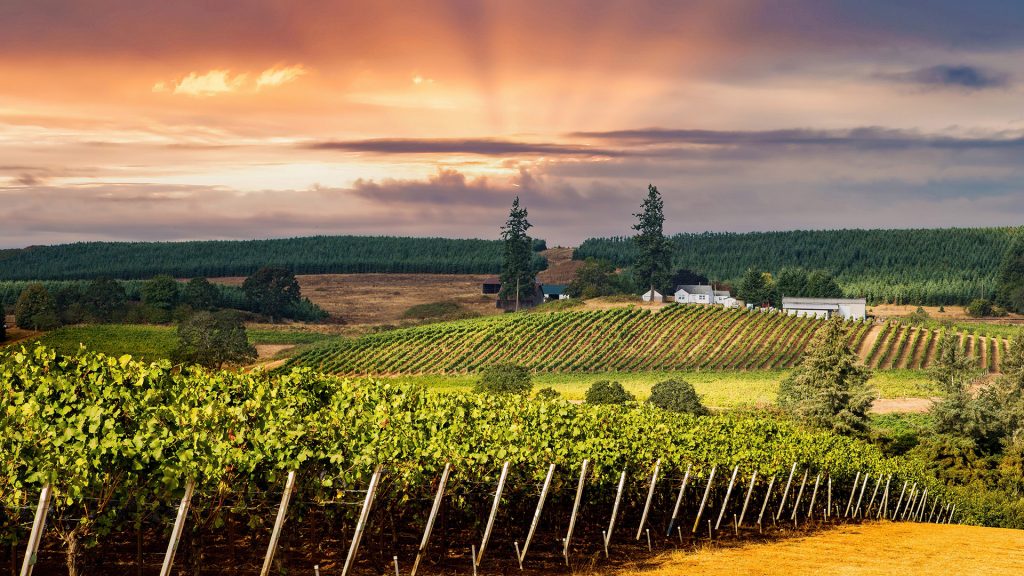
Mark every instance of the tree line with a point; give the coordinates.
(213, 258)
(272, 292)
(935, 266)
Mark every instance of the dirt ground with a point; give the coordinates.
(901, 405)
(382, 298)
(899, 549)
(951, 312)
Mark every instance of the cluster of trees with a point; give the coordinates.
(929, 267)
(310, 255)
(273, 292)
(761, 288)
(1010, 288)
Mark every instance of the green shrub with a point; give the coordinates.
(548, 393)
(677, 396)
(979, 308)
(36, 309)
(605, 392)
(505, 379)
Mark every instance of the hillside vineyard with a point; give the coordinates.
(680, 337)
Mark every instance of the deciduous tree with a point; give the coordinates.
(213, 339)
(36, 309)
(272, 291)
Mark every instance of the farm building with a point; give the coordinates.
(848, 308)
(554, 292)
(492, 285)
(703, 294)
(657, 296)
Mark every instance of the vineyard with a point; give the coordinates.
(679, 337)
(900, 345)
(350, 463)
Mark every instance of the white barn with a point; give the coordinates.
(847, 308)
(657, 296)
(702, 294)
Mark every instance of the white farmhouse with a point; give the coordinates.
(848, 308)
(657, 296)
(701, 294)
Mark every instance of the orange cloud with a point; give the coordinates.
(279, 75)
(221, 81)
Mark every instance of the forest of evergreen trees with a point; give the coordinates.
(213, 258)
(927, 266)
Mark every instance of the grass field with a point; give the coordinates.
(874, 549)
(150, 342)
(719, 389)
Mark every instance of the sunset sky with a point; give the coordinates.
(169, 120)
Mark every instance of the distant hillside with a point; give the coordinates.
(935, 266)
(309, 255)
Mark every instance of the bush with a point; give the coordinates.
(36, 309)
(548, 393)
(605, 392)
(439, 311)
(505, 379)
(3, 323)
(677, 396)
(979, 308)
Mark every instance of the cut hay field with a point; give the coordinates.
(874, 549)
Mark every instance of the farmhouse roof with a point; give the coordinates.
(695, 289)
(820, 303)
(492, 280)
(553, 289)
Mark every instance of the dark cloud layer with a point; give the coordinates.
(960, 77)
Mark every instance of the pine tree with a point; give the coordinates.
(830, 387)
(654, 255)
(517, 268)
(1010, 287)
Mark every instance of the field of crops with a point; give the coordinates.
(680, 337)
(900, 345)
(118, 441)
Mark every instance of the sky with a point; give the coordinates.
(156, 120)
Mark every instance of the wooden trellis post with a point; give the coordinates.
(863, 487)
(575, 509)
(746, 501)
(874, 494)
(494, 514)
(433, 516)
(364, 515)
(650, 496)
(799, 496)
(899, 502)
(536, 516)
(679, 501)
(728, 493)
(785, 492)
(179, 527)
(883, 506)
(38, 524)
(615, 512)
(704, 500)
(282, 513)
(849, 504)
(814, 496)
(767, 494)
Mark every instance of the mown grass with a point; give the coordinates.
(149, 342)
(720, 389)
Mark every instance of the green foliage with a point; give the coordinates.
(200, 294)
(505, 379)
(272, 291)
(608, 392)
(625, 339)
(104, 300)
(1010, 285)
(830, 387)
(653, 261)
(517, 270)
(3, 323)
(160, 292)
(213, 339)
(677, 396)
(757, 288)
(547, 393)
(979, 308)
(928, 267)
(215, 258)
(595, 278)
(36, 309)
(919, 317)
